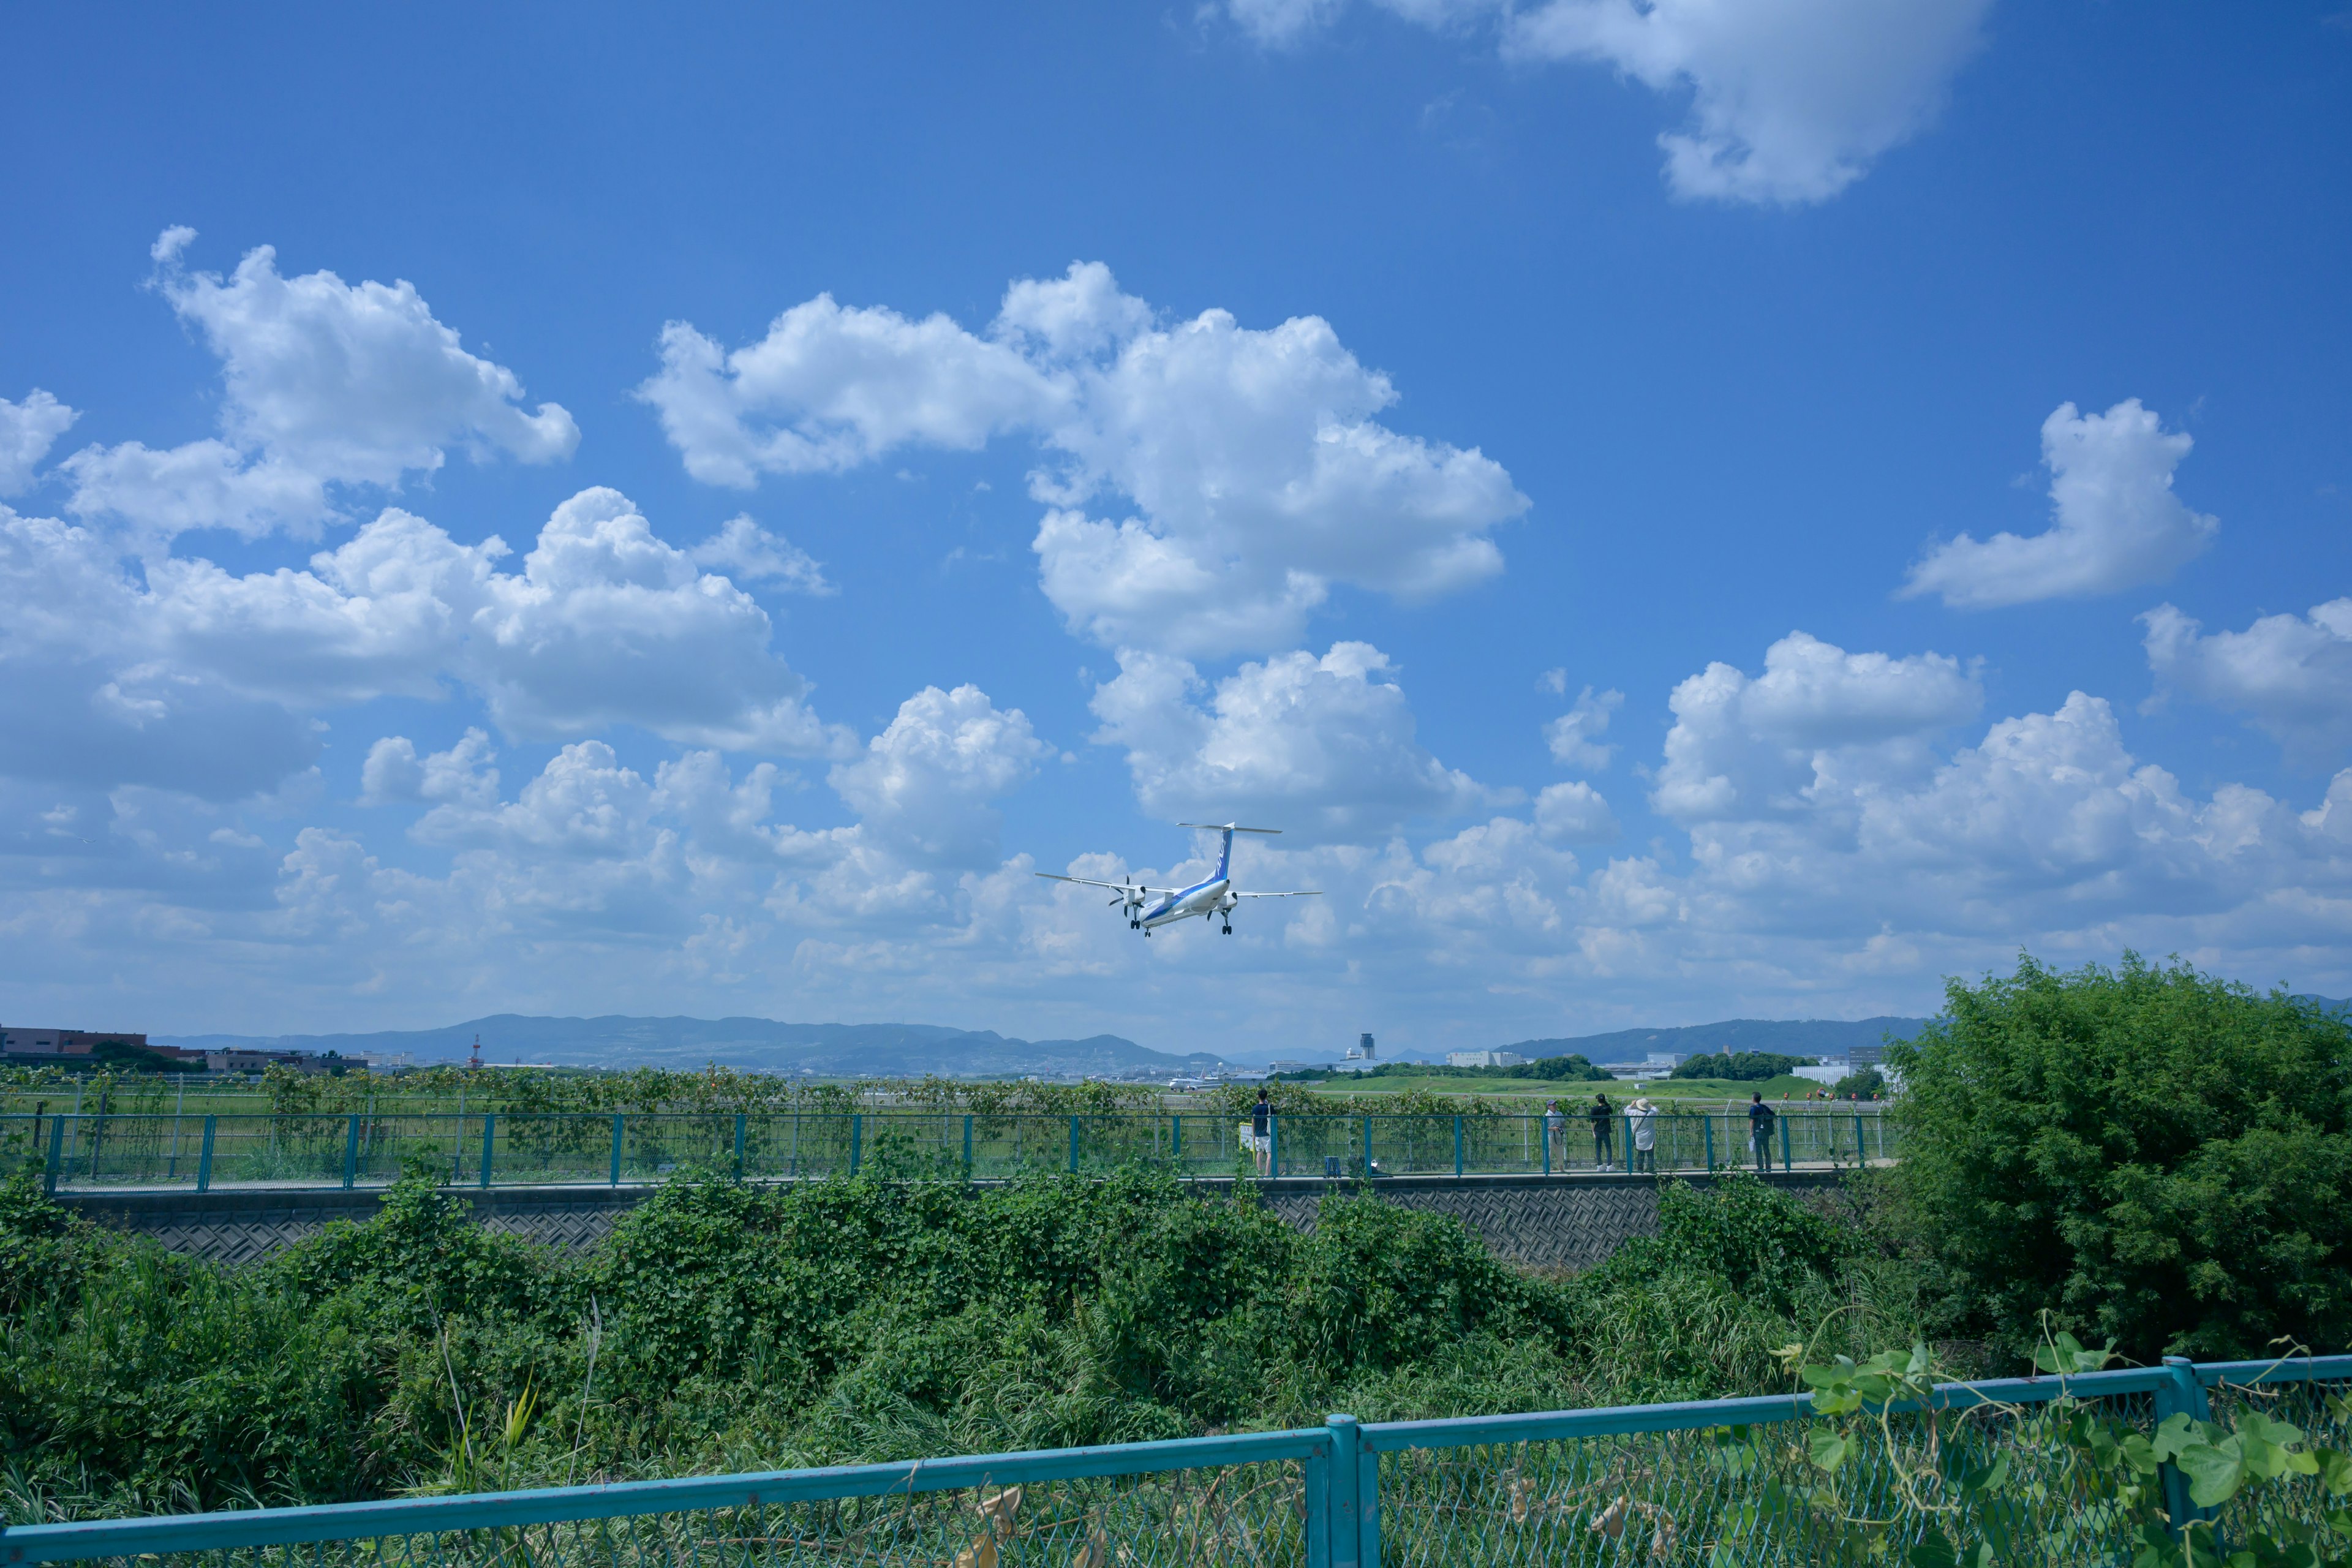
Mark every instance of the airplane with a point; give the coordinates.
(1212, 899)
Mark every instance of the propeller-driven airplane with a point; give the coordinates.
(1213, 899)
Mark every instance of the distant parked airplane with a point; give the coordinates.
(1212, 899)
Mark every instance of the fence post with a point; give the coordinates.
(857, 1136)
(1074, 1145)
(1176, 1139)
(57, 1151)
(1368, 1148)
(1545, 1122)
(2181, 1394)
(351, 1153)
(1368, 1505)
(1707, 1125)
(1786, 1168)
(617, 1118)
(1457, 1146)
(1342, 1514)
(204, 1158)
(738, 1145)
(967, 1147)
(1628, 1120)
(489, 1121)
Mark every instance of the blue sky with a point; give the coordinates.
(1546, 459)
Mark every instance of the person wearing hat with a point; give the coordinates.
(1642, 1118)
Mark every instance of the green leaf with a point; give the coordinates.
(2214, 1473)
(1827, 1449)
(1934, 1551)
(2335, 1470)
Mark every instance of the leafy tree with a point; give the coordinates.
(2158, 1157)
(1744, 1067)
(1868, 1084)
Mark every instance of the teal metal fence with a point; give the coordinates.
(1691, 1483)
(94, 1151)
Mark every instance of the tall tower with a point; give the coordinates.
(476, 1059)
(1364, 1044)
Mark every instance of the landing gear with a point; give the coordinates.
(1229, 930)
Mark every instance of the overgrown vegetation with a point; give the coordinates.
(729, 1326)
(2158, 1157)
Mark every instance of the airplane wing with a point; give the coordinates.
(1090, 882)
(1316, 893)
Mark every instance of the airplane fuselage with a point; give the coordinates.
(1206, 900)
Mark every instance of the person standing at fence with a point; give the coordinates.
(1643, 1118)
(1604, 1120)
(1760, 1131)
(1262, 1135)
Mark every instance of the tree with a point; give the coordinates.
(1746, 1067)
(2154, 1155)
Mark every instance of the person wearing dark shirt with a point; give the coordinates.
(1261, 1117)
(1760, 1131)
(1604, 1118)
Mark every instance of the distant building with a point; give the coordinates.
(1288, 1066)
(1365, 1051)
(1664, 1062)
(29, 1046)
(1484, 1058)
(1861, 1057)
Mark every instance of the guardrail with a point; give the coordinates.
(98, 1152)
(1647, 1483)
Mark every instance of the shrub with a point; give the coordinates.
(2158, 1156)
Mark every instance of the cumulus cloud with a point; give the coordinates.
(2115, 522)
(87, 698)
(1790, 100)
(1259, 473)
(395, 774)
(326, 382)
(1818, 719)
(2290, 675)
(924, 785)
(748, 552)
(1574, 812)
(202, 677)
(27, 431)
(1324, 747)
(1573, 736)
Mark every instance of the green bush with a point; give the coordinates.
(2158, 1157)
(728, 1327)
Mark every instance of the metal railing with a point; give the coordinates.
(100, 1152)
(1693, 1483)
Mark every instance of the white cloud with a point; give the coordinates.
(395, 774)
(326, 384)
(1574, 812)
(1790, 100)
(1817, 721)
(830, 388)
(2290, 675)
(1321, 747)
(1573, 736)
(202, 676)
(1259, 472)
(28, 430)
(751, 553)
(923, 787)
(2117, 524)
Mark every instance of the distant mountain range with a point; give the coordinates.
(831, 1049)
(1788, 1038)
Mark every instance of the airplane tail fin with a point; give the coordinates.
(1225, 854)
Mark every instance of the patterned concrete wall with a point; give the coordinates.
(1564, 1221)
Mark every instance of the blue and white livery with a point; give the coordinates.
(1213, 899)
